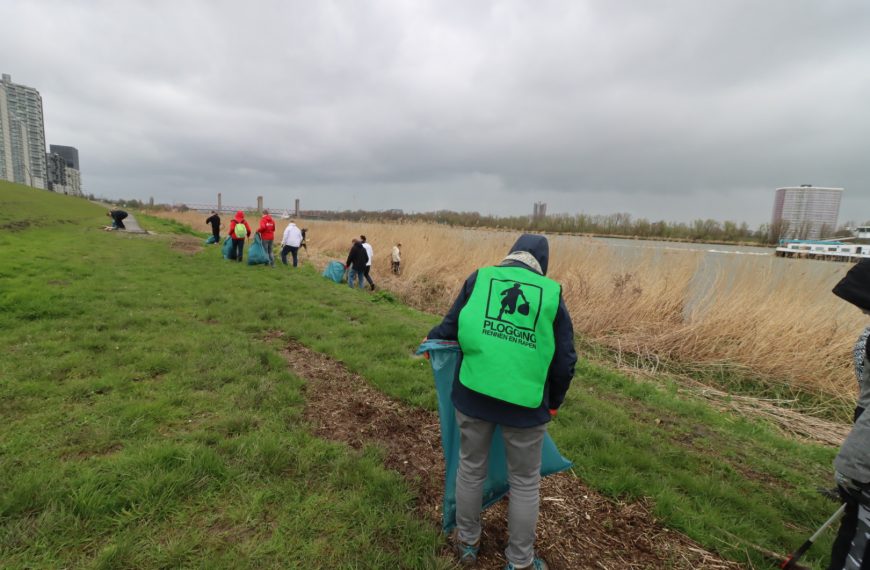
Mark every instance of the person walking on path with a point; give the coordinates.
(371, 253)
(356, 263)
(290, 243)
(851, 548)
(396, 257)
(514, 372)
(117, 218)
(267, 234)
(215, 222)
(239, 231)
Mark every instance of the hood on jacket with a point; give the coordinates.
(855, 286)
(240, 215)
(537, 246)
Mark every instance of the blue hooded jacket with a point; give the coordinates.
(561, 371)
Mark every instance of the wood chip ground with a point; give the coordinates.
(578, 528)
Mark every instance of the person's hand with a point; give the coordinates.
(553, 413)
(425, 354)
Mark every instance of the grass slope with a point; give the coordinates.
(148, 424)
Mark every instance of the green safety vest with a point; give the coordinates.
(506, 334)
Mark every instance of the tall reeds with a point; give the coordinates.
(772, 319)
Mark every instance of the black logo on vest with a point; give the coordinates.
(512, 311)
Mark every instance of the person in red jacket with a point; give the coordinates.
(267, 234)
(239, 230)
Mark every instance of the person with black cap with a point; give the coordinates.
(851, 549)
(514, 371)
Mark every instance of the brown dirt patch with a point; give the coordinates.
(186, 244)
(578, 528)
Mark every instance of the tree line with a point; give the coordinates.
(620, 224)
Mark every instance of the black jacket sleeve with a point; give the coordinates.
(562, 368)
(449, 327)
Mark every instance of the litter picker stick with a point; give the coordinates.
(791, 561)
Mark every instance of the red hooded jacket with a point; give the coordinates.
(267, 228)
(239, 219)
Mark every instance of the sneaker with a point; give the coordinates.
(537, 564)
(467, 553)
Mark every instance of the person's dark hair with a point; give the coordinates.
(362, 238)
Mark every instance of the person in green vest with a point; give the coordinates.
(517, 364)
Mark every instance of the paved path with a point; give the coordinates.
(130, 222)
(132, 225)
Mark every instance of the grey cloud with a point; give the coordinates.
(677, 110)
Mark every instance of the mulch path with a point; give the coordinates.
(578, 528)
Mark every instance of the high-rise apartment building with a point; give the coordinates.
(22, 134)
(805, 212)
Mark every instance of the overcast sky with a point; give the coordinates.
(668, 110)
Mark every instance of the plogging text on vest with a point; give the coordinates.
(509, 333)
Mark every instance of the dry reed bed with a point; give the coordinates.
(772, 317)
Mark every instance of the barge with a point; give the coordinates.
(841, 249)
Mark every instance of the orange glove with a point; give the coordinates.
(553, 413)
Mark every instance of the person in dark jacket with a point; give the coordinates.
(514, 372)
(851, 548)
(215, 222)
(239, 231)
(356, 263)
(117, 218)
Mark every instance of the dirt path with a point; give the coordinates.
(578, 528)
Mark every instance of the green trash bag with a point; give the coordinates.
(335, 271)
(210, 240)
(257, 252)
(227, 249)
(444, 356)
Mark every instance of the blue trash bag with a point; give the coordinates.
(257, 252)
(227, 249)
(210, 240)
(335, 271)
(443, 355)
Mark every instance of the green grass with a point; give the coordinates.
(147, 424)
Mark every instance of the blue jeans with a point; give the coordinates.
(351, 273)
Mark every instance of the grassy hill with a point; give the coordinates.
(147, 424)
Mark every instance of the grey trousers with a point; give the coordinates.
(267, 245)
(523, 450)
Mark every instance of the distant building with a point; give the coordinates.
(540, 211)
(63, 170)
(69, 153)
(73, 182)
(55, 166)
(22, 134)
(805, 212)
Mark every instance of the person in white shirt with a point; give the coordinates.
(371, 253)
(397, 257)
(290, 243)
